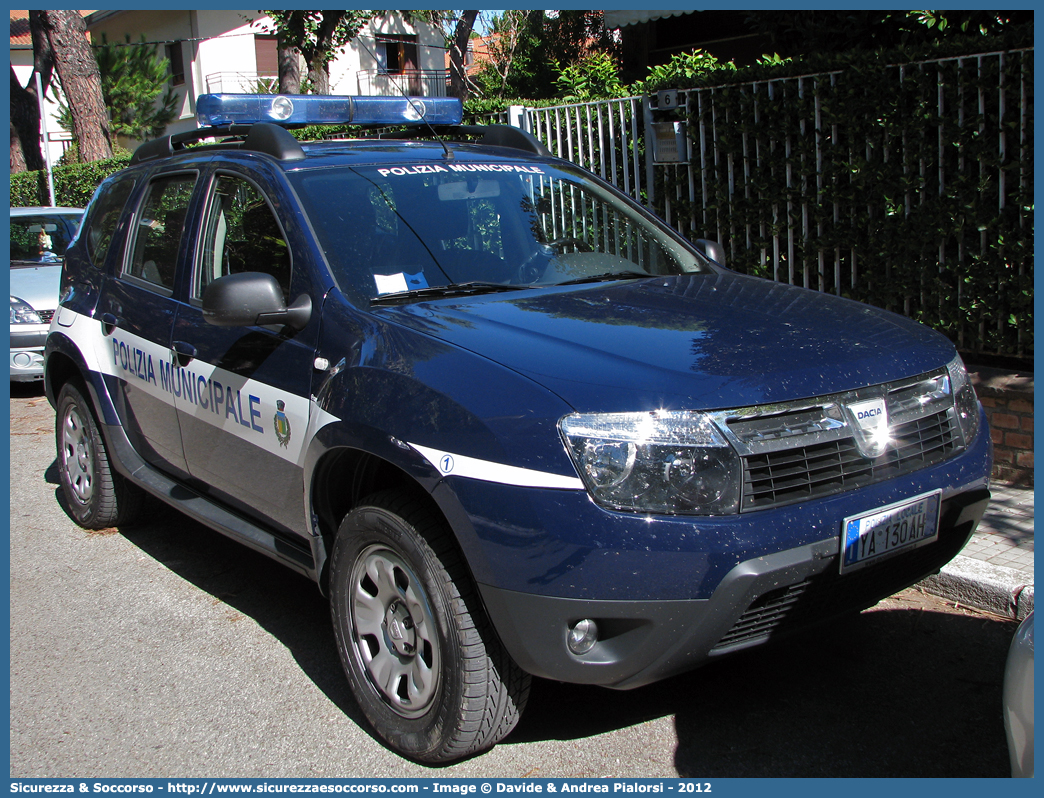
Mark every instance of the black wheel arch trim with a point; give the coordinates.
(379, 450)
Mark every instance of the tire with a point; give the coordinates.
(96, 496)
(424, 663)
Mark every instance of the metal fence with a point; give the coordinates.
(911, 188)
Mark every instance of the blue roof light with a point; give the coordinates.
(315, 109)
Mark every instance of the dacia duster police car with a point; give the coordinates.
(511, 423)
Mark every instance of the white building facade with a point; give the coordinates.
(235, 51)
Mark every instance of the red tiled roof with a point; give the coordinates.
(20, 36)
(20, 29)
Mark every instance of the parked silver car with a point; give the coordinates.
(39, 237)
(1018, 700)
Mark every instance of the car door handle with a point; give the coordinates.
(184, 353)
(109, 322)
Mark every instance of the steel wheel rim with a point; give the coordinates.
(394, 635)
(77, 456)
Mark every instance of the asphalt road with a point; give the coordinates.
(165, 650)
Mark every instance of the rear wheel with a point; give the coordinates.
(423, 662)
(96, 496)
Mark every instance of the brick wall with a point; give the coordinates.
(1008, 400)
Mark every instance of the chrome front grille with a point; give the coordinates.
(794, 452)
(46, 316)
(805, 472)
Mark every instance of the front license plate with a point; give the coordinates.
(869, 537)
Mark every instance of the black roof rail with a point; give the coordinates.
(492, 135)
(263, 137)
(506, 136)
(279, 143)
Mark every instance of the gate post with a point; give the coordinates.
(647, 132)
(517, 117)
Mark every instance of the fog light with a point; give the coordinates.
(583, 636)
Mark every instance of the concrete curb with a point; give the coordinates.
(1004, 591)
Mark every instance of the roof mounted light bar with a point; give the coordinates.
(214, 110)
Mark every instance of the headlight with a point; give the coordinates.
(661, 462)
(21, 313)
(965, 402)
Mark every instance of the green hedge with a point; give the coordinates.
(73, 184)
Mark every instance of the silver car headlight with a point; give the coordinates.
(672, 462)
(965, 402)
(21, 313)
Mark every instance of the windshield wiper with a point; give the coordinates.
(439, 291)
(598, 278)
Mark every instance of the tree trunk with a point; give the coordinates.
(25, 128)
(81, 82)
(458, 53)
(289, 70)
(25, 108)
(319, 78)
(318, 57)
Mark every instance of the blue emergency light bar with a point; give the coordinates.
(316, 109)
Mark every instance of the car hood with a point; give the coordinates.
(37, 285)
(701, 341)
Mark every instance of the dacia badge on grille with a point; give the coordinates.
(869, 420)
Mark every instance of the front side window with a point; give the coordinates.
(388, 230)
(241, 234)
(158, 230)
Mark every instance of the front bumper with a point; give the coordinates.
(27, 348)
(758, 600)
(27, 364)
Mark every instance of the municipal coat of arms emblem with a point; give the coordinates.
(282, 424)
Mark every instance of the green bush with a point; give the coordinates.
(594, 77)
(73, 184)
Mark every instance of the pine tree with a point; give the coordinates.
(134, 76)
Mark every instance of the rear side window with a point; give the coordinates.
(158, 229)
(105, 217)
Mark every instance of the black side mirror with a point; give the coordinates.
(712, 249)
(252, 298)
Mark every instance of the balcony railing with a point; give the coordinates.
(372, 83)
(242, 83)
(414, 82)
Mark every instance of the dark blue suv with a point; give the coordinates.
(510, 423)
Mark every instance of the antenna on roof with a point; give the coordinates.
(446, 153)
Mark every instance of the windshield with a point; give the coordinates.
(42, 238)
(390, 230)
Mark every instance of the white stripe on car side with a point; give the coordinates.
(458, 465)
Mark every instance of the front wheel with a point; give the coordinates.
(423, 662)
(97, 497)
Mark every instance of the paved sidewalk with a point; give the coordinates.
(995, 570)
